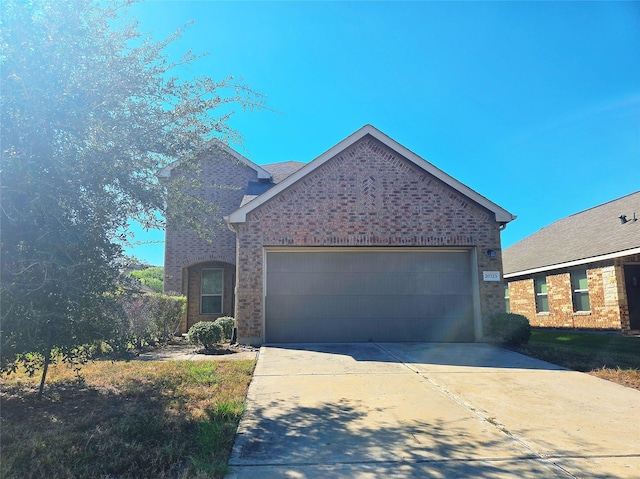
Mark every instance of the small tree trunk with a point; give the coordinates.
(45, 368)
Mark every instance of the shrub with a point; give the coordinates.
(167, 314)
(227, 323)
(149, 318)
(138, 329)
(510, 328)
(205, 333)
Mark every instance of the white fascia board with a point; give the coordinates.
(262, 173)
(240, 215)
(569, 264)
(502, 215)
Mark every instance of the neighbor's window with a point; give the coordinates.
(211, 293)
(542, 300)
(507, 303)
(580, 287)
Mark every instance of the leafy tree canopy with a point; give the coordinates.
(152, 277)
(91, 110)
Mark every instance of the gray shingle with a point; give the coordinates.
(282, 170)
(279, 171)
(591, 233)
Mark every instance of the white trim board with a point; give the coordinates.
(569, 264)
(262, 173)
(240, 215)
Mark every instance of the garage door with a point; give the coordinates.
(368, 295)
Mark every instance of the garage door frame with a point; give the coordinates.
(477, 320)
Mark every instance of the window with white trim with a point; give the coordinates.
(211, 289)
(542, 299)
(580, 288)
(507, 302)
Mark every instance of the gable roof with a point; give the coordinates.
(240, 215)
(591, 235)
(216, 144)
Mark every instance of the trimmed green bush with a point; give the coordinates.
(205, 333)
(226, 323)
(510, 328)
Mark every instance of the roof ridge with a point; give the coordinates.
(572, 215)
(596, 232)
(282, 162)
(600, 205)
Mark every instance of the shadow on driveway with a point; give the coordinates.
(430, 410)
(477, 355)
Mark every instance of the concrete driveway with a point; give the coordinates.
(409, 410)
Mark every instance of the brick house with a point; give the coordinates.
(582, 271)
(366, 242)
(227, 178)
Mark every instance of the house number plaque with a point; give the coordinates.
(491, 275)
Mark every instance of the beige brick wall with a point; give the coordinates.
(521, 298)
(365, 196)
(605, 285)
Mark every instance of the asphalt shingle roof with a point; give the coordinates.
(591, 233)
(282, 170)
(278, 171)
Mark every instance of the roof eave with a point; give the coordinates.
(262, 173)
(502, 215)
(577, 262)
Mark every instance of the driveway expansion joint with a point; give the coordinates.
(457, 410)
(481, 415)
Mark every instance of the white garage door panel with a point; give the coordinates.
(358, 295)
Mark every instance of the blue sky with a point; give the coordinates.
(535, 105)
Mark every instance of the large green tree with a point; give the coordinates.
(91, 110)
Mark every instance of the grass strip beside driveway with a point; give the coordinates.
(123, 419)
(608, 356)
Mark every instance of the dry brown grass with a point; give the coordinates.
(626, 377)
(612, 357)
(123, 419)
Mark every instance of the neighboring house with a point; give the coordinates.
(582, 271)
(368, 242)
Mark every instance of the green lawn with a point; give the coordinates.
(610, 356)
(124, 419)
